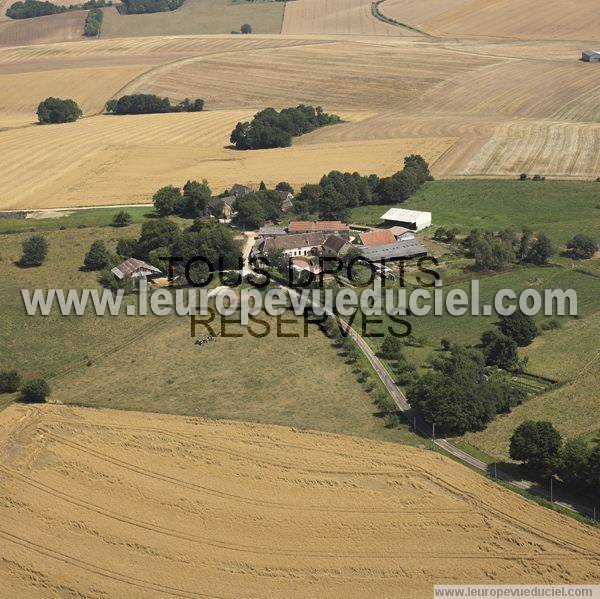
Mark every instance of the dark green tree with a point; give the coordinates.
(167, 199)
(245, 28)
(195, 198)
(10, 381)
(537, 444)
(98, 256)
(34, 251)
(573, 463)
(499, 350)
(541, 250)
(519, 327)
(121, 219)
(581, 247)
(35, 391)
(391, 348)
(56, 110)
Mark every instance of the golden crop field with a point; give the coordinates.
(343, 17)
(115, 159)
(537, 19)
(112, 503)
(42, 30)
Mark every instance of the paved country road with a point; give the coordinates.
(423, 428)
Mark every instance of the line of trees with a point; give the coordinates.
(272, 129)
(56, 110)
(151, 104)
(134, 7)
(337, 193)
(93, 23)
(28, 9)
(541, 449)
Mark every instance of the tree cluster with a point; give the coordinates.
(457, 395)
(207, 238)
(337, 193)
(28, 9)
(93, 23)
(540, 447)
(272, 129)
(497, 251)
(55, 110)
(191, 202)
(253, 210)
(135, 7)
(581, 247)
(151, 104)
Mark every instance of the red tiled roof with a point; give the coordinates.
(377, 237)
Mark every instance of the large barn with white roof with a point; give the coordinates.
(411, 219)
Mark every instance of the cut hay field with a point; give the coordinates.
(42, 30)
(111, 159)
(113, 503)
(342, 17)
(569, 20)
(197, 17)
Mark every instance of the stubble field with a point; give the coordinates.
(163, 505)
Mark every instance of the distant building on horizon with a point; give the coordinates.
(590, 56)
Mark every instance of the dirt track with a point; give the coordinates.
(102, 503)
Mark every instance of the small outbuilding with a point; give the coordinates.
(590, 56)
(132, 268)
(415, 220)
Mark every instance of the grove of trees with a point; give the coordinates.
(35, 391)
(191, 202)
(253, 210)
(28, 9)
(132, 7)
(151, 104)
(56, 110)
(337, 193)
(272, 129)
(10, 381)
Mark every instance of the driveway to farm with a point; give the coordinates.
(422, 427)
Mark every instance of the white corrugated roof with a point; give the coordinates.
(404, 215)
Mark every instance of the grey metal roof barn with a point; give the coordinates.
(590, 56)
(400, 249)
(133, 268)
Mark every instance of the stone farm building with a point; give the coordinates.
(331, 227)
(303, 244)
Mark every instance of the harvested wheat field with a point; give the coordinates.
(108, 503)
(42, 30)
(119, 159)
(537, 19)
(335, 16)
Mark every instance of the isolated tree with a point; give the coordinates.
(519, 327)
(541, 250)
(10, 381)
(35, 391)
(166, 199)
(499, 350)
(121, 219)
(55, 110)
(35, 250)
(582, 247)
(391, 348)
(98, 256)
(245, 28)
(262, 186)
(537, 444)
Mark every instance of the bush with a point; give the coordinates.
(35, 250)
(55, 110)
(98, 256)
(10, 381)
(245, 28)
(582, 247)
(121, 219)
(35, 391)
(523, 177)
(33, 8)
(272, 129)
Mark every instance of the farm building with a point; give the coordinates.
(376, 237)
(410, 219)
(336, 246)
(590, 56)
(271, 231)
(222, 207)
(308, 244)
(334, 227)
(132, 268)
(403, 250)
(239, 190)
(402, 233)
